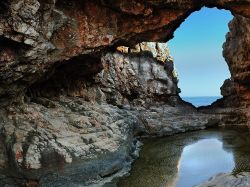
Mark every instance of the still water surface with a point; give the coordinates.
(201, 100)
(188, 159)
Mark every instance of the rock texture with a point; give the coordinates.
(228, 180)
(37, 35)
(71, 106)
(236, 90)
(237, 52)
(71, 136)
(66, 139)
(125, 78)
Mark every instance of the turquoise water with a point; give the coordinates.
(202, 100)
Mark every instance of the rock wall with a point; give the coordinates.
(141, 76)
(236, 90)
(80, 128)
(236, 52)
(72, 106)
(38, 35)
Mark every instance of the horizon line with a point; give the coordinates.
(202, 96)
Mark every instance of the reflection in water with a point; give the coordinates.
(188, 159)
(204, 159)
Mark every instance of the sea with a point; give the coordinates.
(201, 100)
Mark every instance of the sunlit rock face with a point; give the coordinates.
(160, 51)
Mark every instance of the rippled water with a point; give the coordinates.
(188, 159)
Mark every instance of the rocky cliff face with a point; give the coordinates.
(144, 75)
(72, 105)
(71, 141)
(81, 128)
(38, 35)
(237, 54)
(235, 90)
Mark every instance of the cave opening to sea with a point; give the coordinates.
(89, 93)
(197, 49)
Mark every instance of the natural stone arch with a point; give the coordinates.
(71, 28)
(190, 45)
(48, 33)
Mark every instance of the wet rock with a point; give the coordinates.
(3, 155)
(228, 180)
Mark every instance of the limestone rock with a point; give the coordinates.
(93, 142)
(72, 131)
(36, 36)
(88, 129)
(228, 180)
(135, 77)
(70, 110)
(237, 54)
(124, 79)
(160, 51)
(236, 93)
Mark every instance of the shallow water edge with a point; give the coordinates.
(190, 158)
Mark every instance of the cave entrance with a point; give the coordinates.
(197, 52)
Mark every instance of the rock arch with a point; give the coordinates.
(70, 28)
(40, 37)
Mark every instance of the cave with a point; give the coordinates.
(82, 85)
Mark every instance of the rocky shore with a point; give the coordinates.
(77, 137)
(79, 85)
(228, 180)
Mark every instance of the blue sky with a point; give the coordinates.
(197, 52)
